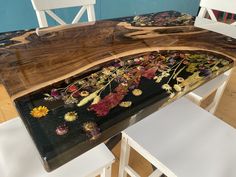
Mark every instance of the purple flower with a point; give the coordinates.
(172, 61)
(132, 87)
(116, 65)
(55, 94)
(151, 56)
(205, 72)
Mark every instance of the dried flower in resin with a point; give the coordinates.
(225, 62)
(180, 79)
(70, 116)
(110, 101)
(137, 92)
(150, 73)
(94, 134)
(84, 93)
(72, 88)
(55, 94)
(88, 98)
(177, 87)
(96, 100)
(48, 97)
(125, 104)
(92, 130)
(62, 129)
(166, 87)
(39, 111)
(70, 100)
(89, 126)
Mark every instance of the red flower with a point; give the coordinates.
(150, 73)
(110, 101)
(101, 109)
(76, 94)
(72, 88)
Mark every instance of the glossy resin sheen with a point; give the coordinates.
(33, 61)
(76, 87)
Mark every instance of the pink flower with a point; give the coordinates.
(150, 73)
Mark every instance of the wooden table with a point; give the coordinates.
(163, 55)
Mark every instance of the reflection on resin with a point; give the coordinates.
(110, 87)
(169, 18)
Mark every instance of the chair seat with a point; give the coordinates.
(206, 89)
(19, 158)
(184, 140)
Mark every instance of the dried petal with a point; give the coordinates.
(87, 99)
(96, 100)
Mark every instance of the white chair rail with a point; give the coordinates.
(43, 7)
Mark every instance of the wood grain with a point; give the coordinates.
(42, 60)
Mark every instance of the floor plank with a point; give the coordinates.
(227, 106)
(7, 110)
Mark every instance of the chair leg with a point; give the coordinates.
(42, 20)
(91, 13)
(106, 172)
(124, 157)
(219, 93)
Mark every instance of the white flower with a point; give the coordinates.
(167, 87)
(177, 87)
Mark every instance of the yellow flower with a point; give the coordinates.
(125, 104)
(165, 74)
(89, 126)
(70, 116)
(177, 87)
(166, 87)
(137, 92)
(192, 67)
(225, 62)
(39, 111)
(180, 79)
(84, 93)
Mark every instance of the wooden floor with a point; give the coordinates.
(226, 111)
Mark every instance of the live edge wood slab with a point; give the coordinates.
(77, 85)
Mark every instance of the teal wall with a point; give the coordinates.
(19, 14)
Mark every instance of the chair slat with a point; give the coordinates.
(57, 4)
(229, 6)
(42, 6)
(55, 17)
(79, 14)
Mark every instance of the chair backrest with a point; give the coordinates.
(45, 6)
(207, 17)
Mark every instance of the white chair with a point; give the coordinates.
(202, 21)
(181, 140)
(18, 157)
(44, 6)
(216, 85)
(207, 7)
